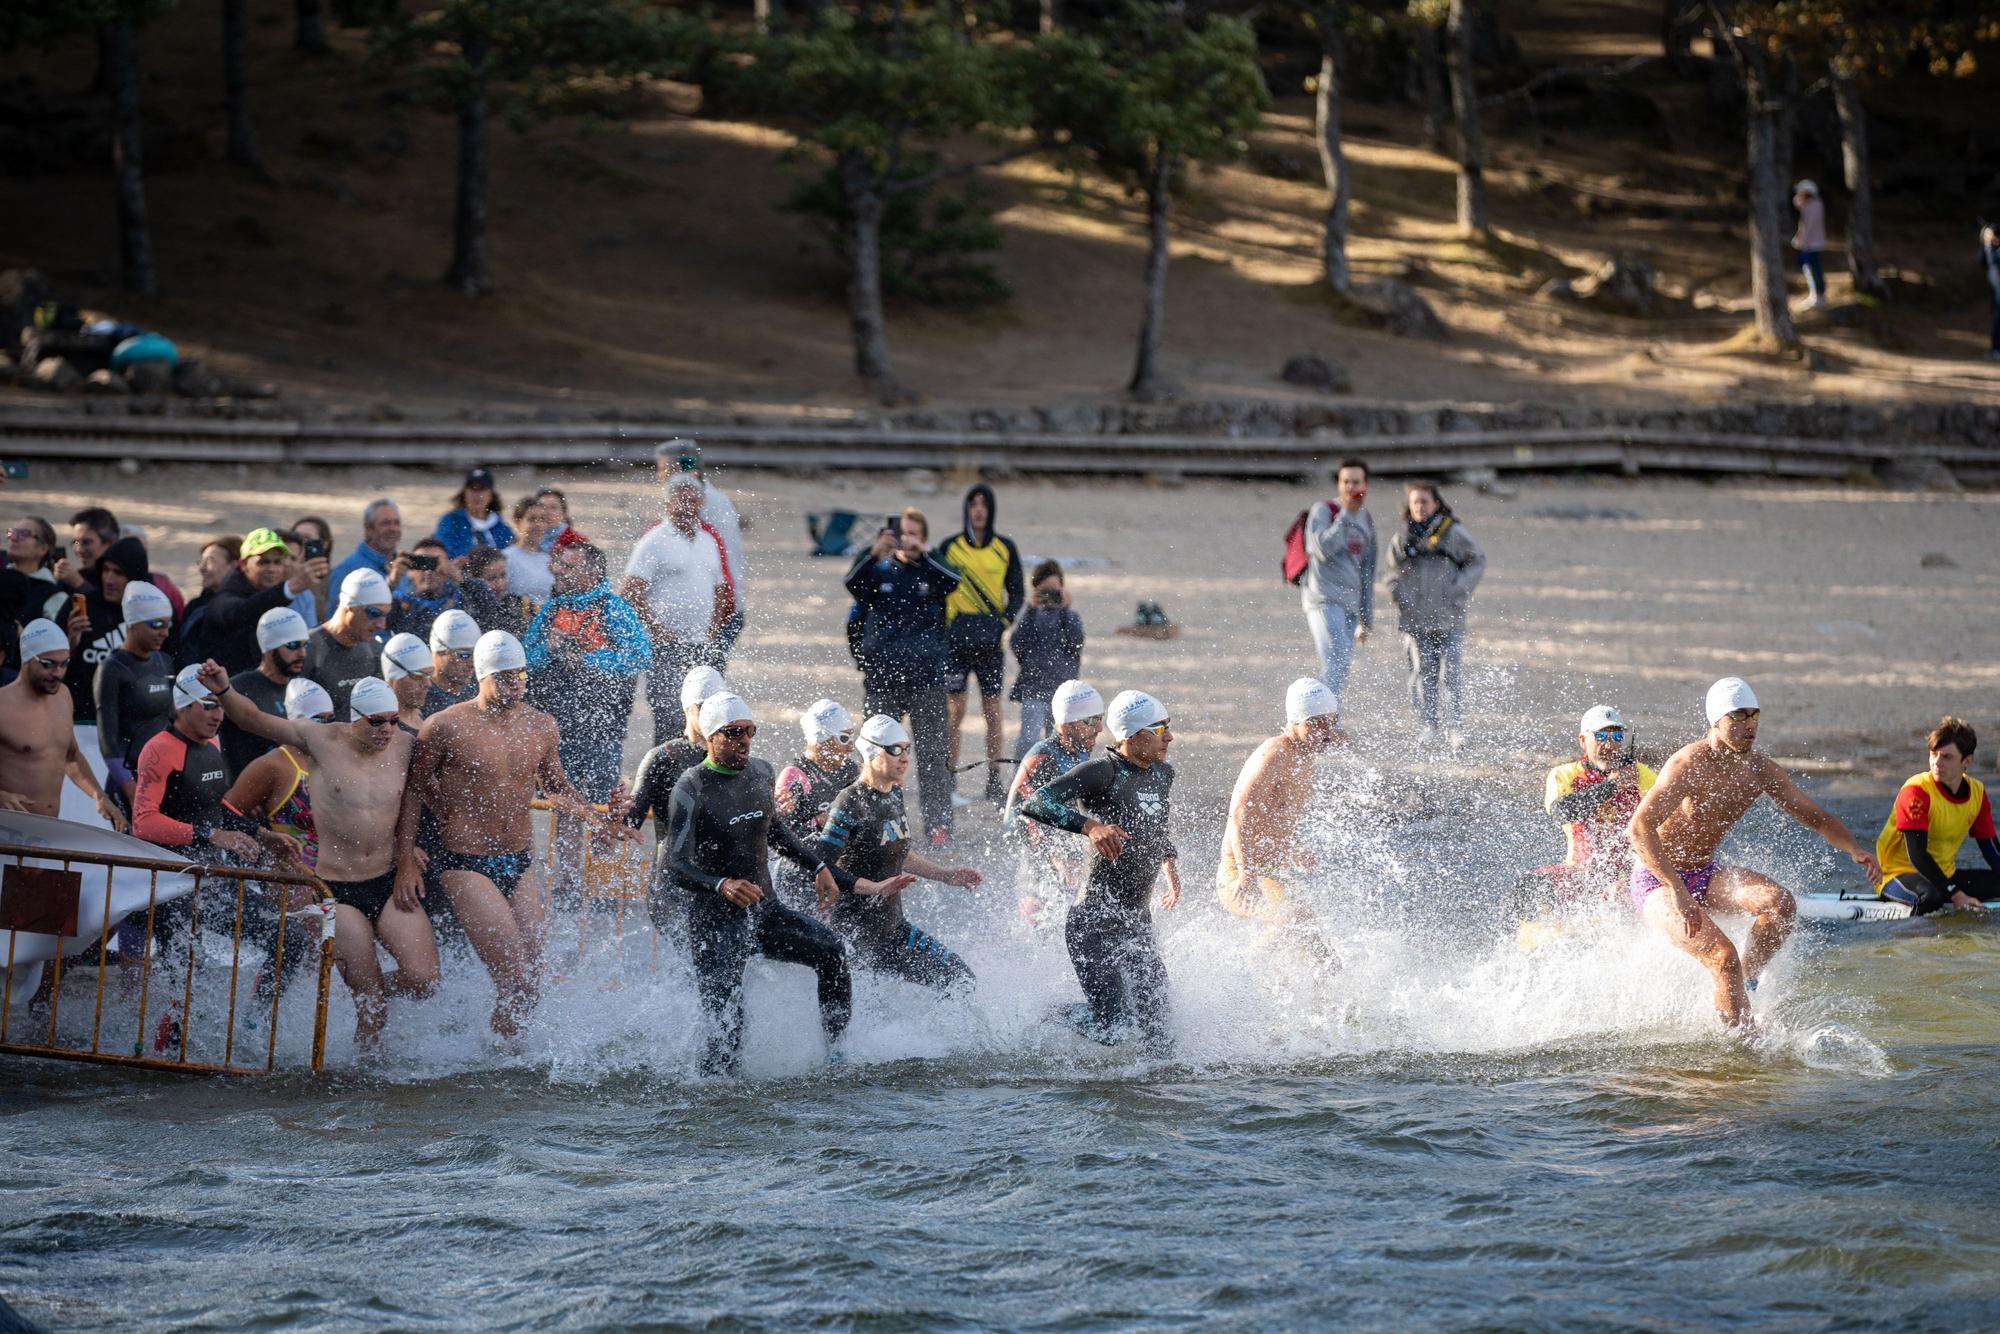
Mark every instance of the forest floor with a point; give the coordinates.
(650, 263)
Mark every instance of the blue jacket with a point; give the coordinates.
(596, 615)
(455, 530)
(363, 557)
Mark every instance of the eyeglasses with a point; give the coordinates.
(293, 645)
(899, 749)
(156, 624)
(1743, 715)
(14, 534)
(379, 720)
(1609, 734)
(738, 731)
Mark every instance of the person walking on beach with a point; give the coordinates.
(1989, 265)
(1810, 241)
(1705, 788)
(1048, 650)
(1437, 569)
(1338, 587)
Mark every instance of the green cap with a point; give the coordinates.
(262, 540)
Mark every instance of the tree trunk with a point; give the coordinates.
(468, 272)
(1147, 382)
(235, 87)
(135, 241)
(311, 34)
(1050, 17)
(1465, 109)
(1767, 211)
(767, 13)
(1677, 25)
(865, 206)
(1332, 160)
(1430, 60)
(105, 77)
(1861, 260)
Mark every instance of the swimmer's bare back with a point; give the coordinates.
(479, 771)
(1703, 791)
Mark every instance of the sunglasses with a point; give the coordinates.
(738, 731)
(511, 674)
(1744, 715)
(379, 720)
(1609, 734)
(156, 624)
(1157, 729)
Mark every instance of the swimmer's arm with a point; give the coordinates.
(252, 719)
(786, 842)
(561, 793)
(251, 792)
(416, 790)
(1989, 848)
(1779, 785)
(1172, 866)
(1051, 805)
(1644, 830)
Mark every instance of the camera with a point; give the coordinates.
(1049, 596)
(416, 561)
(315, 550)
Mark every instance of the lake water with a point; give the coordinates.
(1449, 1133)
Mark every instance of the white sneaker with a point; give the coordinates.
(959, 800)
(1427, 737)
(1456, 739)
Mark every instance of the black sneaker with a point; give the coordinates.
(996, 792)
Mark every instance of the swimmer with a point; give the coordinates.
(808, 785)
(665, 763)
(867, 835)
(1704, 790)
(1935, 812)
(1593, 799)
(406, 666)
(1078, 712)
(477, 766)
(453, 635)
(1260, 848)
(38, 734)
(720, 832)
(1119, 802)
(359, 770)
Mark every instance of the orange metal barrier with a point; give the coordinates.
(610, 880)
(23, 882)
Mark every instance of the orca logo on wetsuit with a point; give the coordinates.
(747, 815)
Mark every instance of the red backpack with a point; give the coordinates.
(1296, 560)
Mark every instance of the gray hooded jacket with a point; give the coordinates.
(1434, 578)
(1341, 556)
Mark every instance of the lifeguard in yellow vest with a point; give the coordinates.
(1934, 814)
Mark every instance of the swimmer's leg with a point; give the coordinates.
(920, 958)
(495, 935)
(1146, 986)
(719, 941)
(531, 915)
(1770, 906)
(1090, 953)
(792, 937)
(1708, 944)
(406, 933)
(354, 954)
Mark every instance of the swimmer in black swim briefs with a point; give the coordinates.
(504, 869)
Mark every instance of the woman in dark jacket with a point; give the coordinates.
(1437, 569)
(477, 518)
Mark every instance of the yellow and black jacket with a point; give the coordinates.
(990, 570)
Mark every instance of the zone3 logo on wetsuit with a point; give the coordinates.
(178, 802)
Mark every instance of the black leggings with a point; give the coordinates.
(930, 734)
(1923, 897)
(722, 938)
(913, 956)
(1118, 963)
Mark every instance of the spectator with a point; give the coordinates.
(94, 631)
(454, 635)
(217, 555)
(527, 560)
(488, 591)
(425, 590)
(282, 639)
(1989, 264)
(407, 667)
(1437, 569)
(561, 530)
(32, 550)
(91, 533)
(345, 649)
(1810, 241)
(265, 577)
(986, 602)
(317, 535)
(381, 539)
(128, 554)
(1338, 588)
(904, 660)
(134, 686)
(585, 651)
(722, 522)
(1048, 648)
(476, 519)
(674, 582)
(304, 602)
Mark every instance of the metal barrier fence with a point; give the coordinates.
(47, 895)
(609, 883)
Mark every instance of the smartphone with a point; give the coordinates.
(77, 606)
(1049, 597)
(16, 470)
(420, 562)
(315, 550)
(895, 524)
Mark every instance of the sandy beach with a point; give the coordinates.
(1860, 614)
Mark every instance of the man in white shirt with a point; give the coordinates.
(675, 582)
(719, 518)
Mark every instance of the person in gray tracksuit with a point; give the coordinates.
(1338, 589)
(1437, 569)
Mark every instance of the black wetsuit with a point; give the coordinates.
(653, 789)
(135, 702)
(437, 699)
(337, 666)
(719, 827)
(813, 790)
(240, 748)
(1110, 931)
(867, 834)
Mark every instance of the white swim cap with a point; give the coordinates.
(1132, 710)
(454, 629)
(1601, 716)
(684, 481)
(364, 588)
(306, 698)
(721, 709)
(825, 720)
(879, 732)
(371, 695)
(188, 688)
(1309, 697)
(40, 636)
(404, 655)
(1074, 701)
(497, 651)
(145, 602)
(280, 625)
(699, 684)
(1727, 696)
